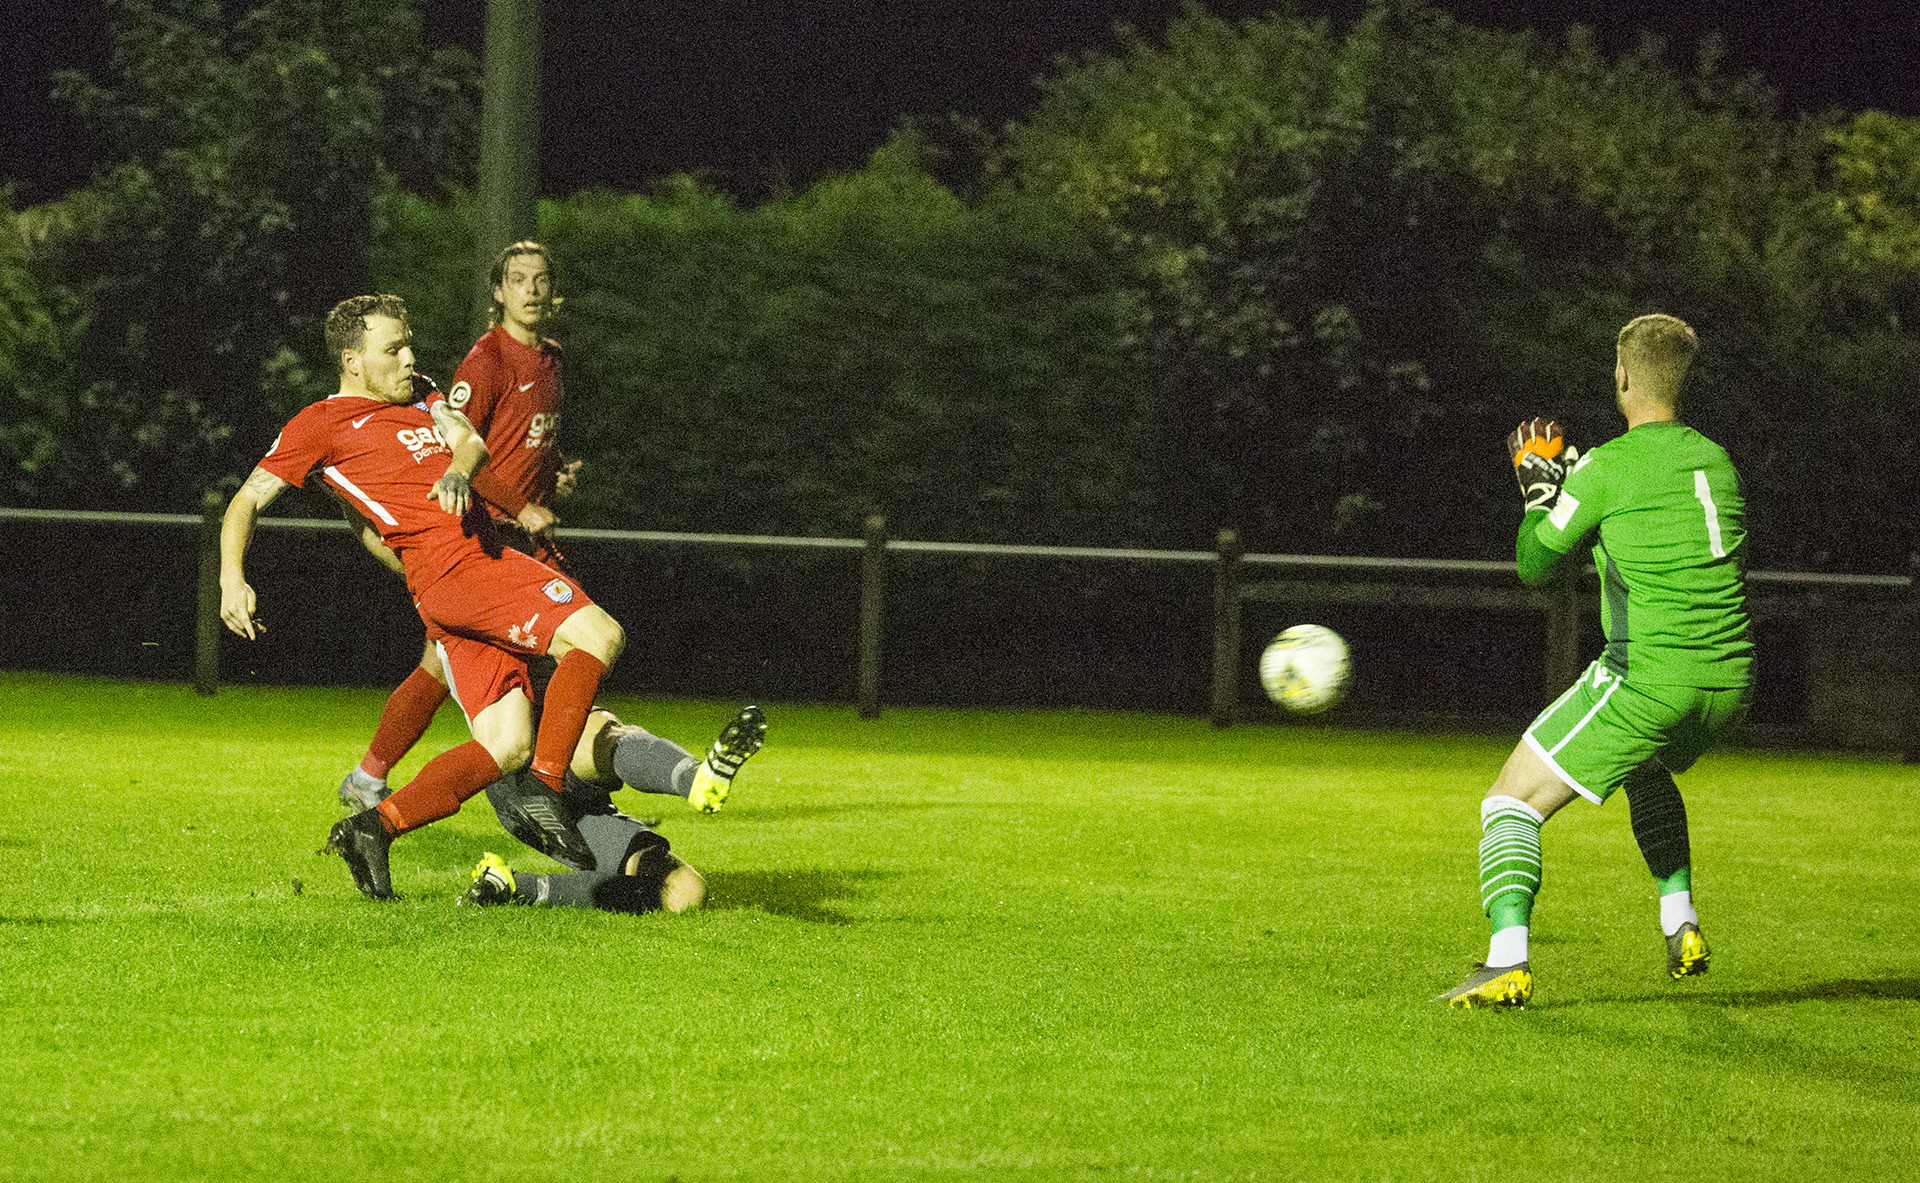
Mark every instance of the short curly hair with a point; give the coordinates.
(347, 323)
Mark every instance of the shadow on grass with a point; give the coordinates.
(787, 813)
(801, 895)
(1838, 990)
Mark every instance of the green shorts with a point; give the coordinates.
(1604, 727)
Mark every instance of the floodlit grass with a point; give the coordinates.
(1047, 945)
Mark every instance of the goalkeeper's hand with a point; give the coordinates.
(1541, 459)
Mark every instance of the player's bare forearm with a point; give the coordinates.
(236, 534)
(454, 489)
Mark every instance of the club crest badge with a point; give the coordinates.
(458, 396)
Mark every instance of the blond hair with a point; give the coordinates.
(1656, 349)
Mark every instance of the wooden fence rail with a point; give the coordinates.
(1303, 581)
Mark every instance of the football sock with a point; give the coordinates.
(564, 715)
(405, 718)
(533, 890)
(646, 762)
(1508, 947)
(1681, 880)
(1676, 909)
(588, 889)
(446, 781)
(1659, 822)
(1510, 862)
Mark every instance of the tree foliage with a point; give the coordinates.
(1283, 275)
(1357, 257)
(240, 158)
(870, 345)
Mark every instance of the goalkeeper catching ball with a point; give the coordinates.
(1661, 508)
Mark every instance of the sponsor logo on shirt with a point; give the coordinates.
(422, 442)
(523, 634)
(458, 396)
(558, 591)
(542, 429)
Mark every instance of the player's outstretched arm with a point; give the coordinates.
(236, 534)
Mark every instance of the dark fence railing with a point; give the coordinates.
(1427, 593)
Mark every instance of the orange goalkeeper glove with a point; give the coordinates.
(1541, 460)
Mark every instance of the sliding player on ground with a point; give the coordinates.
(632, 867)
(1662, 504)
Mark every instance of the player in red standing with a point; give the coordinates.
(509, 388)
(405, 467)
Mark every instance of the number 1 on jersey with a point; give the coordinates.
(1700, 490)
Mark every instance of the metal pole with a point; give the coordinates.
(873, 586)
(1911, 752)
(206, 647)
(508, 200)
(1226, 628)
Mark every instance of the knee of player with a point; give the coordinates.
(511, 753)
(511, 746)
(598, 743)
(616, 642)
(593, 630)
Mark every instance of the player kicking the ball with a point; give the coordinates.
(405, 466)
(1664, 502)
(509, 390)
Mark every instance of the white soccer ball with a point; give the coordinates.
(1306, 669)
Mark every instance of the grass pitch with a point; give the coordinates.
(1047, 945)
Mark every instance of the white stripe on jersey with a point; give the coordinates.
(379, 510)
(1715, 547)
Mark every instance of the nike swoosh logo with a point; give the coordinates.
(360, 420)
(525, 386)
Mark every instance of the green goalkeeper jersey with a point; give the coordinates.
(1665, 503)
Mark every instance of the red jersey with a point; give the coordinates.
(383, 460)
(511, 394)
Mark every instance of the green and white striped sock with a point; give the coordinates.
(1510, 870)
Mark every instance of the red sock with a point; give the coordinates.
(446, 781)
(405, 718)
(564, 714)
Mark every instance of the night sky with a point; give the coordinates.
(744, 92)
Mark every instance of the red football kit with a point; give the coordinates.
(511, 394)
(383, 459)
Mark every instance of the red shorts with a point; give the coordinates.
(480, 674)
(489, 615)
